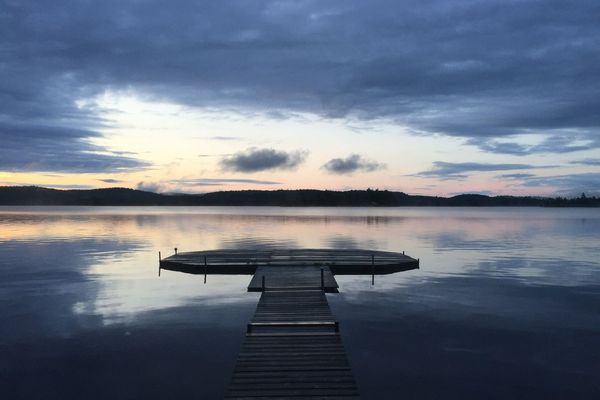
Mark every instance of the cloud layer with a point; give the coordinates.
(40, 148)
(255, 160)
(480, 70)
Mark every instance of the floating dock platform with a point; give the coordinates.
(245, 262)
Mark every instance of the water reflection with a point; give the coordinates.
(83, 310)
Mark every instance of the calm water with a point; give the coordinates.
(506, 303)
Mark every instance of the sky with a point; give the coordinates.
(425, 97)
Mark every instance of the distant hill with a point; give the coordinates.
(38, 196)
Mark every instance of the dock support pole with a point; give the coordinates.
(205, 269)
(263, 283)
(159, 262)
(322, 280)
(372, 269)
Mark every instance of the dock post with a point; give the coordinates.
(322, 280)
(159, 263)
(263, 283)
(175, 250)
(159, 257)
(205, 270)
(372, 269)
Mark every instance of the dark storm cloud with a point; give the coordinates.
(254, 160)
(221, 182)
(352, 163)
(446, 170)
(472, 69)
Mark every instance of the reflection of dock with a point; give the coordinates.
(292, 347)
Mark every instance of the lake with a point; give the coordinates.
(506, 303)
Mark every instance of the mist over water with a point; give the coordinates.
(505, 304)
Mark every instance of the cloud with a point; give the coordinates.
(255, 160)
(551, 144)
(352, 163)
(496, 70)
(516, 176)
(593, 162)
(42, 148)
(570, 184)
(154, 187)
(212, 155)
(447, 170)
(225, 138)
(110, 180)
(221, 181)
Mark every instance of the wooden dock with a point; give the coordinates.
(293, 347)
(292, 350)
(245, 262)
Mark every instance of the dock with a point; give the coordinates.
(245, 262)
(293, 348)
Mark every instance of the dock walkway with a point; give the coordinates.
(293, 350)
(297, 277)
